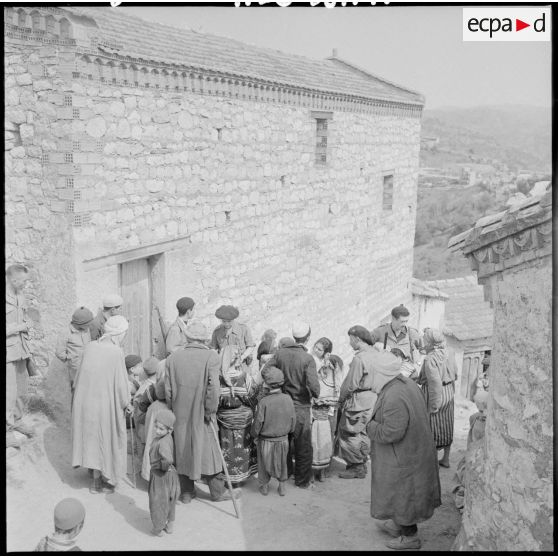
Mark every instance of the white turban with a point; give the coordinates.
(116, 325)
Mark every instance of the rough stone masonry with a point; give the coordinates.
(219, 189)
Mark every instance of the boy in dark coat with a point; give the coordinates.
(163, 482)
(275, 420)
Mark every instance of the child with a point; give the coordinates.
(267, 347)
(164, 488)
(477, 421)
(69, 515)
(71, 345)
(146, 379)
(134, 368)
(275, 420)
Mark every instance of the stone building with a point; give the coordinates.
(509, 480)
(467, 326)
(160, 162)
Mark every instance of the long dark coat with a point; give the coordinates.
(404, 461)
(192, 392)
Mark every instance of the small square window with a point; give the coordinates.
(70, 182)
(99, 146)
(67, 100)
(68, 157)
(44, 158)
(75, 113)
(70, 206)
(76, 145)
(77, 194)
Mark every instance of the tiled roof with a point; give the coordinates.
(491, 228)
(425, 288)
(467, 315)
(138, 38)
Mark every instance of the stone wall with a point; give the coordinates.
(509, 482)
(230, 183)
(35, 235)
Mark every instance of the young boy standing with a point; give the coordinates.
(164, 488)
(70, 346)
(275, 420)
(69, 515)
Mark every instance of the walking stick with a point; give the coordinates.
(133, 450)
(225, 468)
(385, 340)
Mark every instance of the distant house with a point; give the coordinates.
(428, 305)
(429, 142)
(467, 326)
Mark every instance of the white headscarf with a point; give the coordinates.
(115, 325)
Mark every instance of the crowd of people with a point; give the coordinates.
(208, 412)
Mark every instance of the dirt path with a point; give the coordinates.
(332, 516)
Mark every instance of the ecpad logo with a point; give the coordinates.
(506, 24)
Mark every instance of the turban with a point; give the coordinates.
(112, 301)
(196, 331)
(68, 513)
(166, 417)
(272, 376)
(82, 316)
(362, 333)
(116, 325)
(131, 360)
(150, 366)
(227, 313)
(300, 330)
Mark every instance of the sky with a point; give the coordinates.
(419, 47)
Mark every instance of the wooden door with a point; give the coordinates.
(472, 366)
(135, 287)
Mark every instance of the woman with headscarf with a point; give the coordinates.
(324, 408)
(405, 486)
(437, 379)
(235, 346)
(101, 396)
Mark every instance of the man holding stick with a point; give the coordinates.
(192, 393)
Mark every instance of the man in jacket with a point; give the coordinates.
(192, 393)
(301, 383)
(176, 336)
(17, 353)
(112, 306)
(405, 486)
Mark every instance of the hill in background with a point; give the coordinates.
(516, 135)
(508, 139)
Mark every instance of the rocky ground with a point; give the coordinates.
(334, 515)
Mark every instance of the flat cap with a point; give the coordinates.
(227, 312)
(362, 333)
(68, 513)
(82, 316)
(112, 301)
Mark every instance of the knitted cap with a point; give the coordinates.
(196, 331)
(150, 366)
(116, 325)
(82, 316)
(272, 376)
(68, 513)
(131, 361)
(166, 417)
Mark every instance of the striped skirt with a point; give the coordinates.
(441, 423)
(237, 443)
